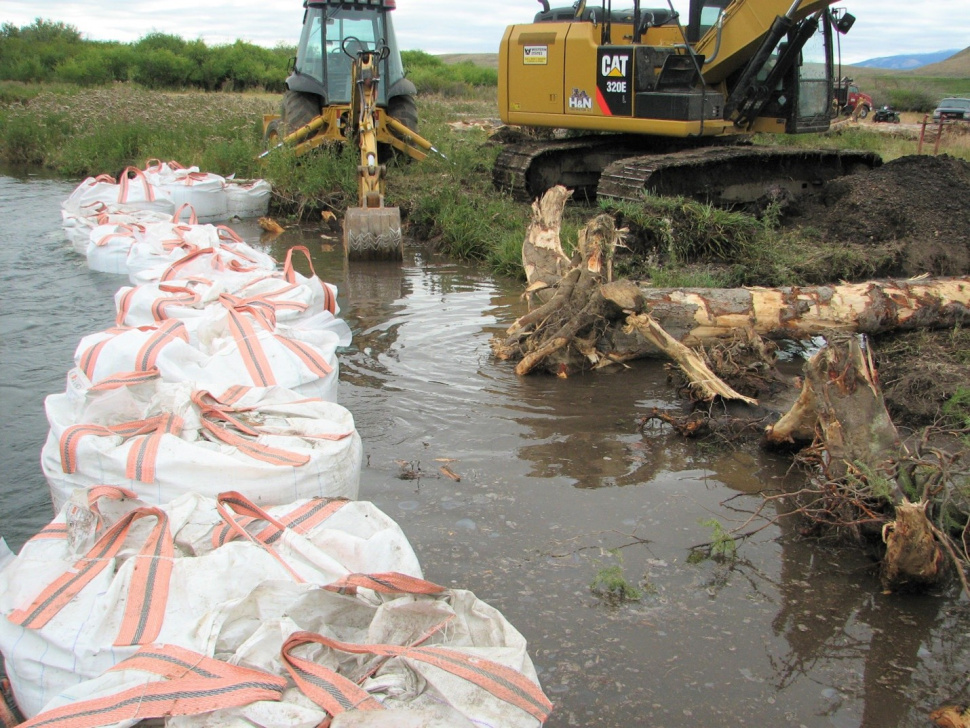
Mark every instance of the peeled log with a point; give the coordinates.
(698, 316)
(913, 559)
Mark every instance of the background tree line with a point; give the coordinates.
(48, 51)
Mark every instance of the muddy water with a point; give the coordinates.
(557, 485)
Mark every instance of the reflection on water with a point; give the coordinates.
(556, 483)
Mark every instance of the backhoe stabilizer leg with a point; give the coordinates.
(373, 233)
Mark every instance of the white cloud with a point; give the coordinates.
(883, 27)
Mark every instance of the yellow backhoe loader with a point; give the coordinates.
(348, 85)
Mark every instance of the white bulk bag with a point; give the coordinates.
(132, 189)
(229, 258)
(108, 248)
(68, 617)
(110, 574)
(371, 650)
(228, 347)
(79, 224)
(289, 295)
(248, 198)
(205, 192)
(161, 440)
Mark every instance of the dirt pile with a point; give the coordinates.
(918, 205)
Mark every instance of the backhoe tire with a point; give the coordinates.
(404, 109)
(273, 134)
(299, 109)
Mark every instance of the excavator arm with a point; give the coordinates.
(748, 27)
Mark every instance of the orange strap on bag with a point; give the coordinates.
(125, 184)
(302, 519)
(330, 301)
(141, 458)
(147, 591)
(192, 684)
(332, 692)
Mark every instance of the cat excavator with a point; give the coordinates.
(348, 85)
(652, 105)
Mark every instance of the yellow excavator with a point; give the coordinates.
(655, 105)
(348, 85)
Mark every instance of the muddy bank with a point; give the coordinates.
(912, 213)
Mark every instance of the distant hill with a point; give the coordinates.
(956, 66)
(488, 60)
(907, 62)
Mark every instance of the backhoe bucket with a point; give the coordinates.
(373, 233)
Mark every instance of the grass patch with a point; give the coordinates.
(612, 586)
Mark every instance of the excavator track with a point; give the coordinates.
(625, 167)
(527, 169)
(726, 176)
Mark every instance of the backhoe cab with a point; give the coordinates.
(348, 83)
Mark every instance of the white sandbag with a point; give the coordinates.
(205, 192)
(248, 198)
(290, 296)
(230, 258)
(132, 189)
(161, 440)
(371, 650)
(108, 248)
(225, 348)
(163, 244)
(110, 574)
(68, 617)
(79, 224)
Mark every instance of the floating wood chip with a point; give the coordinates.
(449, 473)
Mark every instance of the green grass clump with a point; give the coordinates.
(956, 410)
(611, 585)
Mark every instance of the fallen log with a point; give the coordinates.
(560, 289)
(581, 304)
(698, 317)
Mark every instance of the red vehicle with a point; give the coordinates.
(848, 98)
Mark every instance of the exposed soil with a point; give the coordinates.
(917, 206)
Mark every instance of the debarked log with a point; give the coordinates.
(702, 316)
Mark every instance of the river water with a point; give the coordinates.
(557, 485)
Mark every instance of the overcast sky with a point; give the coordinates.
(883, 27)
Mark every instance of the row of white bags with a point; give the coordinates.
(164, 187)
(218, 612)
(220, 330)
